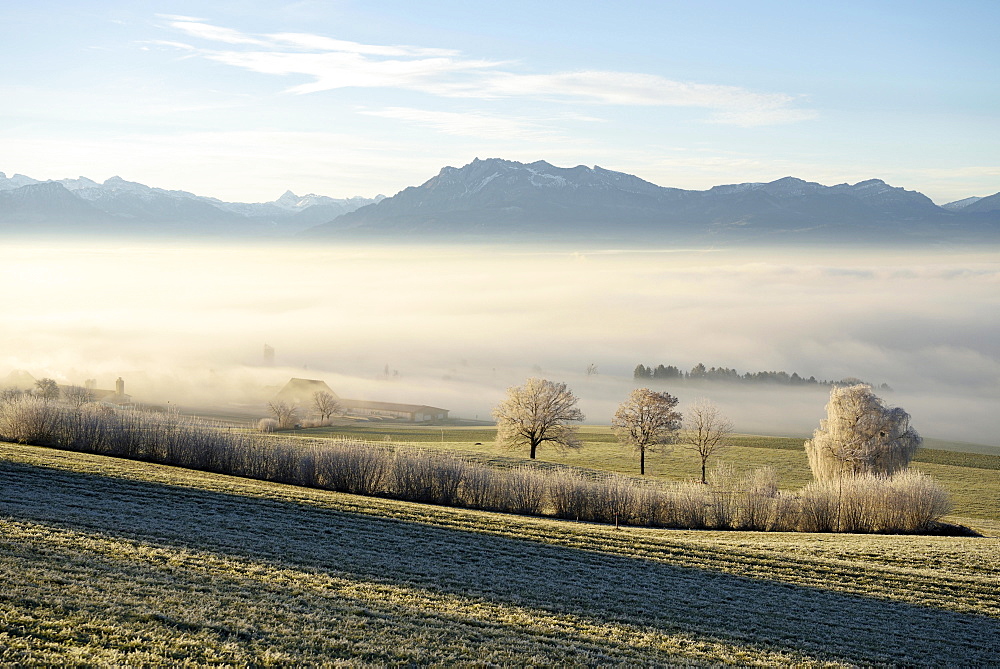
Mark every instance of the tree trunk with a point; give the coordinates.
(642, 462)
(703, 479)
(533, 447)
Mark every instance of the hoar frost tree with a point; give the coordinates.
(705, 432)
(861, 435)
(646, 420)
(325, 404)
(47, 389)
(539, 412)
(286, 414)
(77, 396)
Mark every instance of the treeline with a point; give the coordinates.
(701, 373)
(907, 502)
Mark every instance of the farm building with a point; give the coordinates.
(301, 392)
(116, 396)
(415, 413)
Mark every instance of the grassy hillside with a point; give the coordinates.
(110, 561)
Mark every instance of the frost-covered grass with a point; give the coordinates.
(108, 561)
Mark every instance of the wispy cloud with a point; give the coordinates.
(335, 64)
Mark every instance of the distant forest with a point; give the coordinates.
(701, 373)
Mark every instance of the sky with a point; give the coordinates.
(244, 100)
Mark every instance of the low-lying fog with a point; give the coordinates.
(455, 326)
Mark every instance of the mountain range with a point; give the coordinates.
(501, 200)
(125, 207)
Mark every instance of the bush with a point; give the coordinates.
(907, 502)
(482, 488)
(355, 468)
(688, 503)
(522, 491)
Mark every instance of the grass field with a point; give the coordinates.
(108, 561)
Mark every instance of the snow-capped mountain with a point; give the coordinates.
(983, 205)
(120, 206)
(961, 204)
(501, 199)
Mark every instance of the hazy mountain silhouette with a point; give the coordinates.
(124, 207)
(501, 199)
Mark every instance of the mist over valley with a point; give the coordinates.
(453, 326)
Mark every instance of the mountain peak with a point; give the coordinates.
(961, 204)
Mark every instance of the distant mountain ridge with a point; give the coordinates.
(498, 199)
(502, 200)
(126, 207)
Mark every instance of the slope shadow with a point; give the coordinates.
(598, 586)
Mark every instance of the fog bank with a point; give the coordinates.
(454, 326)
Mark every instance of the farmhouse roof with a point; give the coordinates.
(18, 379)
(304, 388)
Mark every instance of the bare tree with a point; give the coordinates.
(861, 435)
(286, 414)
(537, 413)
(325, 404)
(77, 396)
(47, 389)
(646, 420)
(705, 432)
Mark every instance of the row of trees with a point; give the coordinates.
(701, 373)
(48, 389)
(860, 435)
(542, 412)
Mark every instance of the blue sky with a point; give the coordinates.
(242, 100)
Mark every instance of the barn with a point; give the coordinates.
(300, 392)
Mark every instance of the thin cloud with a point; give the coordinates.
(215, 33)
(310, 42)
(335, 64)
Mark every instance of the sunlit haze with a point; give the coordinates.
(455, 326)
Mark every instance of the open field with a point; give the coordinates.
(972, 479)
(112, 561)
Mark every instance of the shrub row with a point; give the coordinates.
(907, 502)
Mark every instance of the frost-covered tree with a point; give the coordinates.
(861, 435)
(47, 389)
(705, 432)
(325, 404)
(286, 414)
(645, 421)
(537, 413)
(77, 396)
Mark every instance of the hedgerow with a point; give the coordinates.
(905, 502)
